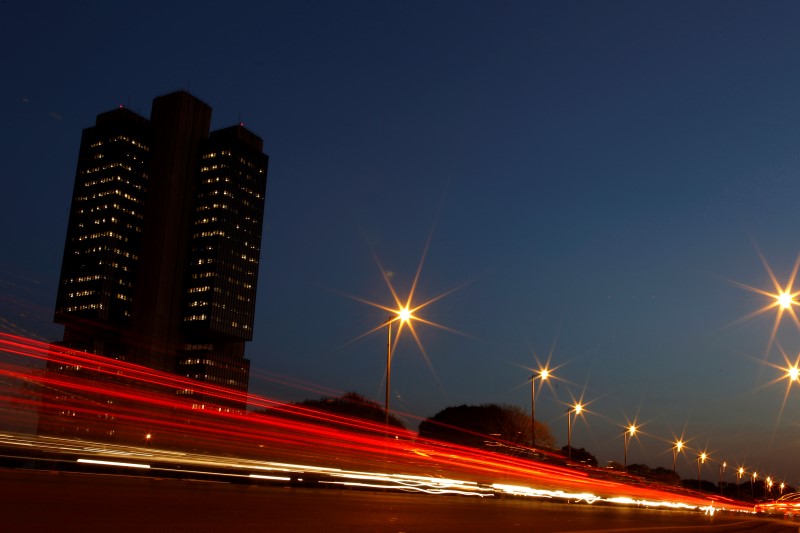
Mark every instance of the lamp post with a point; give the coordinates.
(753, 486)
(543, 375)
(783, 486)
(721, 470)
(700, 459)
(403, 315)
(626, 437)
(739, 483)
(577, 408)
(769, 486)
(675, 451)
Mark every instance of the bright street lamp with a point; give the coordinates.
(721, 470)
(403, 315)
(753, 485)
(785, 300)
(700, 459)
(578, 408)
(543, 375)
(626, 437)
(739, 483)
(675, 451)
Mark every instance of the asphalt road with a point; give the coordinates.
(32, 501)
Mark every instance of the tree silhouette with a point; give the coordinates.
(351, 405)
(580, 455)
(505, 428)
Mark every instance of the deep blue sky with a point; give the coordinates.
(596, 173)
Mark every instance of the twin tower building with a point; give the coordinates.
(162, 250)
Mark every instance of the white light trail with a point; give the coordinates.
(112, 463)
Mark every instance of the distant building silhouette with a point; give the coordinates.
(161, 259)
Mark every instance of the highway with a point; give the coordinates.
(34, 500)
(123, 452)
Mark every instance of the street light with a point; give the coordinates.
(626, 437)
(753, 486)
(543, 375)
(783, 486)
(675, 451)
(739, 483)
(700, 459)
(769, 485)
(403, 315)
(578, 408)
(721, 470)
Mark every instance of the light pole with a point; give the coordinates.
(577, 408)
(675, 451)
(700, 459)
(783, 486)
(403, 315)
(739, 483)
(721, 470)
(626, 437)
(543, 375)
(769, 486)
(753, 486)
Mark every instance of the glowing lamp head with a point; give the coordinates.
(544, 374)
(578, 408)
(703, 457)
(793, 373)
(632, 430)
(679, 445)
(741, 471)
(404, 314)
(785, 300)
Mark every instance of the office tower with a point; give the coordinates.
(161, 258)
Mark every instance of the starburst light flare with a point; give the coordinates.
(783, 299)
(404, 314)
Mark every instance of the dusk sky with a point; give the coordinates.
(596, 179)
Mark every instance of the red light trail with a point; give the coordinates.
(114, 412)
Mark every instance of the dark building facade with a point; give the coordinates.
(163, 244)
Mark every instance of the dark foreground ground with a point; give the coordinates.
(33, 501)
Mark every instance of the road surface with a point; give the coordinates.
(34, 500)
